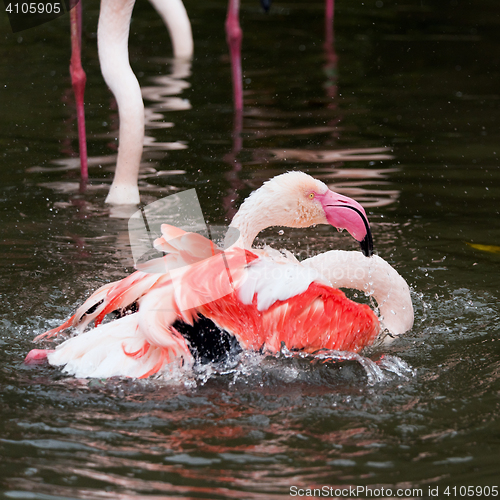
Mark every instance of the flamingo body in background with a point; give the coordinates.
(113, 34)
(260, 297)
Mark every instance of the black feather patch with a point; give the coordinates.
(207, 342)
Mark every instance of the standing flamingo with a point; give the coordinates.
(112, 38)
(259, 297)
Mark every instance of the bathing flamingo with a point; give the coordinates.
(259, 297)
(112, 39)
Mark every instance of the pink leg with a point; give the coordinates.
(37, 356)
(78, 79)
(331, 56)
(234, 35)
(329, 12)
(330, 67)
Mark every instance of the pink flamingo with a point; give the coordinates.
(112, 39)
(260, 297)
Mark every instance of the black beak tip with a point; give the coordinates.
(366, 245)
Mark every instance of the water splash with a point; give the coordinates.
(376, 371)
(256, 367)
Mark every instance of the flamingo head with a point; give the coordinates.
(343, 212)
(304, 201)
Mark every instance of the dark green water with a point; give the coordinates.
(418, 78)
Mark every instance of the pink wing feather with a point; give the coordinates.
(207, 282)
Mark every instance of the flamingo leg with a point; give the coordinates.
(78, 80)
(112, 41)
(37, 356)
(329, 12)
(234, 35)
(330, 67)
(329, 45)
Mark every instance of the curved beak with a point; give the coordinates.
(366, 243)
(343, 212)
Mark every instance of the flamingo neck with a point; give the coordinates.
(272, 206)
(375, 277)
(255, 215)
(249, 224)
(175, 17)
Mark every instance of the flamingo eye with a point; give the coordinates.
(311, 196)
